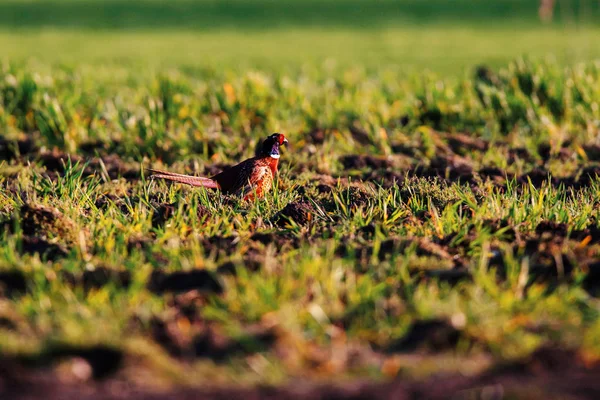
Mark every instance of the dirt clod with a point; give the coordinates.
(164, 212)
(360, 135)
(396, 246)
(591, 282)
(221, 245)
(278, 239)
(592, 151)
(252, 260)
(299, 212)
(104, 360)
(316, 136)
(47, 222)
(432, 335)
(46, 250)
(454, 168)
(179, 282)
(218, 347)
(11, 149)
(365, 161)
(101, 276)
(12, 283)
(461, 143)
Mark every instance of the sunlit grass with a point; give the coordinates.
(447, 50)
(368, 261)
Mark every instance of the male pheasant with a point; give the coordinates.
(253, 176)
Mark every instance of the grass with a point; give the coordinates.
(430, 216)
(441, 50)
(384, 216)
(446, 37)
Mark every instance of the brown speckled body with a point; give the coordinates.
(254, 175)
(250, 178)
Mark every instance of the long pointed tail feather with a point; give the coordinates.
(161, 172)
(196, 181)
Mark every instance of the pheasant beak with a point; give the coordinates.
(281, 140)
(285, 142)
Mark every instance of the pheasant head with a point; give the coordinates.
(270, 146)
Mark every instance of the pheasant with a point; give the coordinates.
(251, 177)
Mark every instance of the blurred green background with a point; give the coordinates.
(444, 36)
